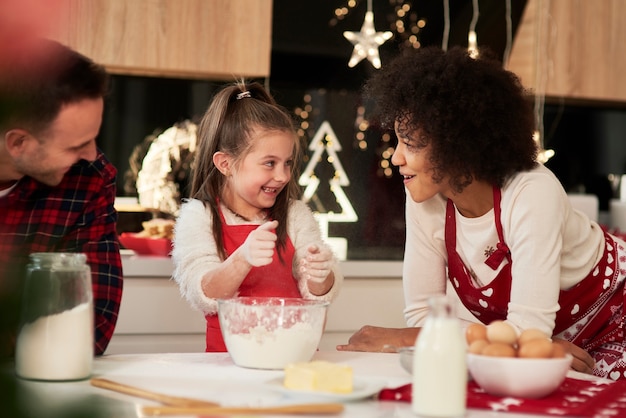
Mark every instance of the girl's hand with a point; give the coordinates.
(317, 264)
(258, 249)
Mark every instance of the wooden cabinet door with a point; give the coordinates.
(206, 39)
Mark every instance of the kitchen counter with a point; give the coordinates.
(214, 377)
(154, 318)
(153, 266)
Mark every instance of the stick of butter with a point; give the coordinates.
(319, 375)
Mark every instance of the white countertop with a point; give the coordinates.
(214, 377)
(153, 266)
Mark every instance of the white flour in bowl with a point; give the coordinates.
(57, 347)
(262, 349)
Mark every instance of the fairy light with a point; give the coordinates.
(367, 40)
(361, 125)
(541, 55)
(509, 34)
(384, 167)
(472, 41)
(403, 20)
(446, 25)
(303, 113)
(406, 23)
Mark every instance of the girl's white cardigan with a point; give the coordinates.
(195, 253)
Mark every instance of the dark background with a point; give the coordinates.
(310, 57)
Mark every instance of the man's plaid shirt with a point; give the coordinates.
(78, 215)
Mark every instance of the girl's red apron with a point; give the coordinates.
(591, 313)
(275, 279)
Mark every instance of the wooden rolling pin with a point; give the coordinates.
(300, 409)
(174, 401)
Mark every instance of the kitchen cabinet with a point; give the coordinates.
(205, 39)
(573, 50)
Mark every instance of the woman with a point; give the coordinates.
(483, 212)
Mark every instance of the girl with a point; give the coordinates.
(244, 232)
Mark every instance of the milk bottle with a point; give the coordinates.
(439, 365)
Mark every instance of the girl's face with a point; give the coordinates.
(415, 167)
(253, 184)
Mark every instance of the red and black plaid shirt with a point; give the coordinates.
(76, 216)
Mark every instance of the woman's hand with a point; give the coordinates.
(582, 362)
(379, 339)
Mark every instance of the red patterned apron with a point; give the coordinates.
(275, 279)
(591, 313)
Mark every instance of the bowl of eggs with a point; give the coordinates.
(502, 363)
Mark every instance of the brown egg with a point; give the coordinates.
(537, 348)
(499, 350)
(501, 332)
(475, 332)
(531, 334)
(477, 346)
(558, 351)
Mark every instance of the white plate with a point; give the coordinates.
(361, 389)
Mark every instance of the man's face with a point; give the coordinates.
(71, 137)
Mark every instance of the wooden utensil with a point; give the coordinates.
(173, 401)
(301, 409)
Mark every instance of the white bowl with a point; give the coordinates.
(269, 332)
(518, 377)
(406, 357)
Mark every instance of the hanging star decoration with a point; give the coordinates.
(366, 42)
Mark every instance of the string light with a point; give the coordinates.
(367, 40)
(446, 25)
(403, 20)
(541, 58)
(509, 34)
(405, 23)
(361, 125)
(472, 41)
(384, 169)
(342, 12)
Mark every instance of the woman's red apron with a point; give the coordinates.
(275, 279)
(591, 313)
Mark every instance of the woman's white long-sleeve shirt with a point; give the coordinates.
(195, 252)
(553, 247)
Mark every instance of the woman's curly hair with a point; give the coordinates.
(475, 115)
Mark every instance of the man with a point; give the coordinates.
(57, 189)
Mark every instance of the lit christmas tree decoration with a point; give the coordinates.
(325, 140)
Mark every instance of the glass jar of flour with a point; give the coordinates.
(55, 338)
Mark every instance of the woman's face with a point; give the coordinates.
(413, 161)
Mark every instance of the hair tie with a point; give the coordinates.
(243, 95)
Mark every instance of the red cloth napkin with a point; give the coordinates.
(582, 398)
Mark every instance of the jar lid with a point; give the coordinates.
(58, 260)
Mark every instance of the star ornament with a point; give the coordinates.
(366, 42)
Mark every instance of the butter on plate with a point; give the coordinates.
(319, 375)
